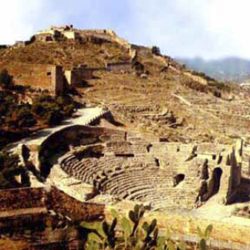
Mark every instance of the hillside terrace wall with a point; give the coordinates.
(76, 76)
(50, 198)
(12, 199)
(119, 67)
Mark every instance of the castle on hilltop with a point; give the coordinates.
(68, 32)
(55, 78)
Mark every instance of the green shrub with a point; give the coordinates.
(52, 111)
(204, 236)
(25, 117)
(6, 80)
(9, 167)
(134, 233)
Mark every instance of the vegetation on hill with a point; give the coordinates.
(21, 118)
(9, 168)
(8, 244)
(6, 80)
(159, 83)
(134, 232)
(18, 120)
(66, 53)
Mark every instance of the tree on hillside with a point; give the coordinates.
(52, 111)
(25, 118)
(9, 167)
(6, 80)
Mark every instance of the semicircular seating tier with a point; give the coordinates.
(160, 174)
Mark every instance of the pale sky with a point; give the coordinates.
(181, 28)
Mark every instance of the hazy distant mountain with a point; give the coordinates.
(227, 69)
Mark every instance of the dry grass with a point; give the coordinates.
(66, 54)
(8, 244)
(206, 119)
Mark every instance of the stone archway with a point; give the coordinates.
(178, 179)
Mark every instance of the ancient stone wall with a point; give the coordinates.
(95, 35)
(49, 77)
(120, 67)
(62, 203)
(70, 34)
(179, 169)
(57, 79)
(11, 199)
(49, 198)
(76, 135)
(77, 75)
(80, 135)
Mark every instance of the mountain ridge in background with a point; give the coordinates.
(234, 69)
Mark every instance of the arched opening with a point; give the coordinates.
(178, 179)
(214, 184)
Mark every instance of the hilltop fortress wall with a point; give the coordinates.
(53, 77)
(75, 76)
(48, 77)
(56, 33)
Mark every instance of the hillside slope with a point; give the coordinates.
(65, 53)
(164, 98)
(227, 69)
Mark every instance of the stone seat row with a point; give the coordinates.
(89, 168)
(131, 180)
(131, 183)
(126, 178)
(92, 167)
(103, 163)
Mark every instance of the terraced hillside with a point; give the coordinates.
(171, 106)
(158, 95)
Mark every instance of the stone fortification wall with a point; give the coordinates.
(120, 67)
(48, 77)
(77, 75)
(39, 76)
